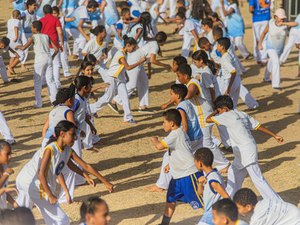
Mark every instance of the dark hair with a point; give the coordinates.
(90, 206)
(124, 4)
(205, 156)
(62, 126)
(173, 115)
(180, 89)
(18, 216)
(202, 55)
(185, 69)
(181, 2)
(207, 21)
(217, 31)
(161, 37)
(224, 42)
(180, 60)
(55, 9)
(89, 58)
(245, 196)
(181, 15)
(37, 25)
(215, 15)
(92, 4)
(203, 41)
(81, 82)
(64, 94)
(227, 207)
(84, 65)
(223, 101)
(200, 9)
(181, 10)
(3, 144)
(30, 2)
(16, 13)
(98, 30)
(129, 40)
(5, 41)
(125, 10)
(47, 9)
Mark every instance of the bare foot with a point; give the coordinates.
(23, 68)
(10, 70)
(154, 188)
(92, 149)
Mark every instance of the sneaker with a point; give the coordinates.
(131, 121)
(11, 142)
(37, 106)
(113, 107)
(277, 88)
(266, 81)
(145, 110)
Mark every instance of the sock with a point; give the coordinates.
(166, 220)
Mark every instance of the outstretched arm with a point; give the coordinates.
(279, 139)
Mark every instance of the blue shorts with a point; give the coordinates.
(185, 190)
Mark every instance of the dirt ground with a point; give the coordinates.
(126, 156)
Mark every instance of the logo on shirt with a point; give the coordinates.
(195, 205)
(264, 4)
(59, 168)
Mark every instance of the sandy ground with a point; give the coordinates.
(127, 157)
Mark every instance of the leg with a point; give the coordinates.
(143, 88)
(247, 98)
(39, 69)
(169, 211)
(3, 71)
(242, 48)
(235, 179)
(186, 45)
(52, 89)
(122, 91)
(65, 61)
(289, 45)
(172, 8)
(260, 183)
(274, 60)
(56, 68)
(5, 131)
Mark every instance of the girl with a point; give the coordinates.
(115, 77)
(218, 22)
(94, 212)
(137, 76)
(5, 172)
(277, 32)
(235, 26)
(191, 29)
(36, 182)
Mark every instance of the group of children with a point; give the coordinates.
(205, 94)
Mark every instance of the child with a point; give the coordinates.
(94, 212)
(244, 147)
(183, 186)
(202, 108)
(235, 26)
(115, 77)
(225, 212)
(42, 62)
(217, 22)
(4, 47)
(190, 125)
(266, 211)
(14, 33)
(5, 172)
(211, 186)
(155, 15)
(230, 80)
(5, 131)
(36, 182)
(122, 27)
(207, 26)
(190, 30)
(277, 32)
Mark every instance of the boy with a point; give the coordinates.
(122, 27)
(5, 131)
(211, 186)
(42, 62)
(207, 27)
(190, 125)
(225, 212)
(266, 211)
(184, 173)
(244, 147)
(202, 108)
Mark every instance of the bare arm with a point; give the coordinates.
(61, 37)
(16, 29)
(195, 36)
(130, 67)
(251, 9)
(212, 94)
(80, 25)
(208, 119)
(157, 144)
(219, 188)
(69, 19)
(154, 61)
(138, 34)
(262, 37)
(184, 121)
(45, 128)
(192, 91)
(279, 139)
(55, 49)
(232, 77)
(28, 43)
(102, 6)
(61, 181)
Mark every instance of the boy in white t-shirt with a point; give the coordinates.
(183, 186)
(239, 126)
(225, 212)
(266, 211)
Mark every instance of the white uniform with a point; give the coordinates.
(239, 125)
(11, 25)
(5, 131)
(268, 211)
(30, 189)
(43, 67)
(94, 48)
(132, 31)
(64, 56)
(3, 197)
(189, 25)
(275, 44)
(154, 17)
(203, 108)
(123, 27)
(115, 76)
(3, 71)
(210, 196)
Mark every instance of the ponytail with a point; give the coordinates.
(63, 95)
(145, 21)
(62, 126)
(201, 55)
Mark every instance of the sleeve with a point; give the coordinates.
(189, 25)
(228, 66)
(86, 48)
(76, 105)
(83, 14)
(220, 119)
(119, 26)
(254, 124)
(207, 80)
(57, 23)
(169, 141)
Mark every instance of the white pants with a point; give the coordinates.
(224, 136)
(247, 97)
(56, 68)
(293, 38)
(79, 41)
(235, 88)
(186, 45)
(258, 28)
(3, 71)
(64, 57)
(238, 42)
(220, 162)
(172, 7)
(90, 139)
(44, 70)
(273, 67)
(236, 178)
(25, 37)
(4, 129)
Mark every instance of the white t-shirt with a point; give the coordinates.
(241, 222)
(116, 69)
(41, 48)
(11, 24)
(80, 13)
(150, 48)
(275, 212)
(80, 110)
(276, 37)
(210, 37)
(29, 18)
(93, 47)
(181, 157)
(190, 25)
(239, 126)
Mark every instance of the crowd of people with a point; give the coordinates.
(120, 41)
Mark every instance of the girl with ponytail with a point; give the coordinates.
(36, 182)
